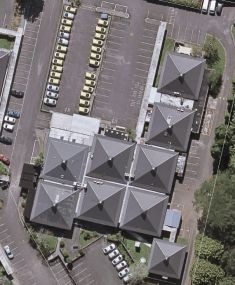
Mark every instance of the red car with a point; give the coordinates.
(4, 159)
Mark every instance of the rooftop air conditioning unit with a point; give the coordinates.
(127, 174)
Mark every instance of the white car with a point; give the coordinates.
(69, 15)
(114, 254)
(8, 127)
(118, 259)
(127, 278)
(63, 42)
(9, 120)
(53, 88)
(52, 95)
(124, 272)
(64, 35)
(109, 248)
(121, 265)
(49, 102)
(8, 252)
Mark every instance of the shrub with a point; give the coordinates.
(69, 260)
(81, 251)
(24, 195)
(62, 243)
(65, 254)
(95, 234)
(87, 236)
(23, 204)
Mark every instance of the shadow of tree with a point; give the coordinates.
(30, 8)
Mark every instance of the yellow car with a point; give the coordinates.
(96, 49)
(54, 81)
(61, 48)
(100, 30)
(103, 23)
(90, 75)
(57, 68)
(84, 103)
(71, 9)
(90, 82)
(57, 61)
(85, 95)
(65, 29)
(93, 62)
(67, 22)
(59, 55)
(95, 56)
(55, 74)
(99, 36)
(97, 43)
(83, 110)
(87, 89)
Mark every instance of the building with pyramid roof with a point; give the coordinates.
(54, 205)
(101, 202)
(181, 75)
(154, 168)
(143, 211)
(170, 127)
(64, 162)
(166, 258)
(110, 158)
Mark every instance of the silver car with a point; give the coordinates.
(9, 120)
(121, 265)
(64, 35)
(109, 248)
(8, 252)
(114, 254)
(118, 259)
(49, 102)
(8, 127)
(63, 42)
(124, 272)
(53, 88)
(127, 278)
(69, 15)
(52, 95)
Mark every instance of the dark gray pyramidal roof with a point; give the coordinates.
(64, 161)
(170, 127)
(166, 258)
(183, 74)
(154, 168)
(111, 158)
(143, 211)
(54, 205)
(101, 203)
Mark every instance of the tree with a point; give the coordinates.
(215, 81)
(69, 260)
(132, 134)
(139, 271)
(206, 273)
(211, 52)
(227, 281)
(228, 262)
(38, 161)
(197, 51)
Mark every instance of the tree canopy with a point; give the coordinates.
(139, 271)
(211, 53)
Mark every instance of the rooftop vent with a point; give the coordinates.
(64, 162)
(56, 200)
(101, 202)
(62, 176)
(169, 121)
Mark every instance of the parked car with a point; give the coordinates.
(48, 101)
(113, 254)
(88, 89)
(4, 159)
(13, 113)
(52, 95)
(69, 15)
(53, 88)
(65, 29)
(94, 63)
(8, 127)
(103, 23)
(109, 248)
(124, 272)
(118, 259)
(99, 36)
(17, 93)
(85, 95)
(90, 75)
(121, 265)
(97, 42)
(55, 74)
(84, 103)
(58, 61)
(64, 35)
(219, 7)
(61, 48)
(59, 55)
(71, 9)
(57, 68)
(5, 140)
(63, 42)
(99, 29)
(83, 110)
(67, 22)
(90, 82)
(8, 252)
(95, 56)
(9, 119)
(54, 81)
(96, 49)
(127, 278)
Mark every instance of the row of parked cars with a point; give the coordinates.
(119, 262)
(52, 93)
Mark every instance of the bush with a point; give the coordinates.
(95, 234)
(24, 195)
(69, 260)
(62, 243)
(81, 251)
(65, 254)
(87, 235)
(23, 204)
(33, 237)
(125, 254)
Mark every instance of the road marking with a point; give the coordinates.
(108, 41)
(68, 282)
(90, 282)
(19, 83)
(27, 280)
(109, 69)
(22, 274)
(104, 89)
(141, 76)
(21, 77)
(116, 29)
(3, 231)
(150, 30)
(31, 24)
(4, 238)
(143, 63)
(27, 44)
(190, 171)
(31, 31)
(59, 271)
(85, 277)
(30, 37)
(109, 62)
(17, 254)
(18, 262)
(25, 64)
(146, 50)
(80, 272)
(55, 265)
(14, 248)
(113, 49)
(194, 156)
(105, 82)
(11, 243)
(147, 43)
(22, 267)
(149, 37)
(119, 23)
(26, 50)
(189, 178)
(141, 70)
(191, 163)
(77, 265)
(63, 277)
(111, 35)
(144, 56)
(98, 94)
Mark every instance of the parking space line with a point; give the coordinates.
(144, 56)
(18, 69)
(55, 265)
(119, 23)
(90, 282)
(143, 63)
(59, 271)
(21, 77)
(25, 57)
(114, 49)
(68, 282)
(101, 102)
(14, 248)
(98, 94)
(191, 163)
(150, 30)
(77, 265)
(26, 50)
(31, 31)
(19, 83)
(146, 50)
(140, 76)
(3, 231)
(22, 274)
(147, 43)
(149, 37)
(115, 36)
(24, 63)
(109, 62)
(4, 238)
(17, 254)
(30, 37)
(141, 70)
(194, 156)
(18, 262)
(27, 44)
(22, 267)
(105, 82)
(10, 243)
(108, 41)
(32, 24)
(80, 272)
(85, 277)
(189, 178)
(116, 29)
(105, 89)
(191, 171)
(63, 276)
(108, 68)
(27, 280)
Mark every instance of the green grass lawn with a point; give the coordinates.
(83, 242)
(6, 42)
(182, 241)
(49, 241)
(168, 45)
(157, 80)
(221, 63)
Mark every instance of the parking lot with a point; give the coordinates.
(60, 273)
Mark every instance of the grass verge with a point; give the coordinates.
(3, 169)
(87, 237)
(6, 41)
(168, 45)
(182, 241)
(49, 241)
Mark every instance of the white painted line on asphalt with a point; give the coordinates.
(109, 62)
(34, 284)
(149, 37)
(30, 37)
(194, 156)
(189, 177)
(111, 35)
(77, 265)
(108, 41)
(140, 76)
(191, 163)
(116, 29)
(147, 43)
(111, 55)
(141, 70)
(31, 31)
(55, 265)
(68, 282)
(109, 69)
(150, 30)
(105, 82)
(80, 272)
(144, 56)
(17, 254)
(119, 23)
(104, 89)
(27, 280)
(113, 49)
(191, 36)
(24, 63)
(63, 277)
(190, 171)
(26, 50)
(19, 83)
(99, 98)
(14, 103)
(90, 282)
(85, 277)
(146, 50)
(185, 33)
(25, 57)
(142, 62)
(31, 24)
(59, 271)
(3, 231)
(198, 36)
(27, 44)
(22, 274)
(22, 267)
(11, 243)
(21, 76)
(18, 69)
(18, 262)
(4, 238)
(14, 248)
(105, 76)
(178, 33)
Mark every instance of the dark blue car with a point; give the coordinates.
(14, 114)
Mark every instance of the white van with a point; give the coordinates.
(212, 7)
(205, 6)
